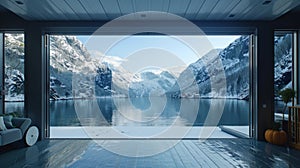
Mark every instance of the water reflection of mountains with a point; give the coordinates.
(146, 106)
(152, 111)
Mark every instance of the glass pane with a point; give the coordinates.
(14, 73)
(283, 71)
(1, 73)
(148, 81)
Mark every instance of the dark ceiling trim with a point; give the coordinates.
(208, 27)
(10, 22)
(288, 21)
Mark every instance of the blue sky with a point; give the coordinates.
(128, 45)
(216, 41)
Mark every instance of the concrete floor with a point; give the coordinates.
(151, 153)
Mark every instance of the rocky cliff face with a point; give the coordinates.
(103, 81)
(283, 63)
(82, 75)
(14, 67)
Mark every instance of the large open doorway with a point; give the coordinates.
(128, 92)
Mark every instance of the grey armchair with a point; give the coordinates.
(15, 134)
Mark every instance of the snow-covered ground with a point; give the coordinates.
(239, 131)
(125, 132)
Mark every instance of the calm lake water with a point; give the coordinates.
(149, 112)
(153, 111)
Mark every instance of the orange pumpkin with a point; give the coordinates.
(279, 137)
(269, 135)
(276, 137)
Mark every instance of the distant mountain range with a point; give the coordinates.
(75, 73)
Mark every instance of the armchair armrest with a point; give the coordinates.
(22, 123)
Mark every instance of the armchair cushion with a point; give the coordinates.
(2, 125)
(7, 121)
(10, 135)
(22, 123)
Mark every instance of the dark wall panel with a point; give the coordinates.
(264, 112)
(35, 78)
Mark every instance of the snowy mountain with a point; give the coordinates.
(235, 61)
(68, 57)
(283, 62)
(152, 84)
(14, 67)
(195, 80)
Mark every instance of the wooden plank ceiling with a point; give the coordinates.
(95, 10)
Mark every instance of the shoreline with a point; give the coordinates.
(110, 97)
